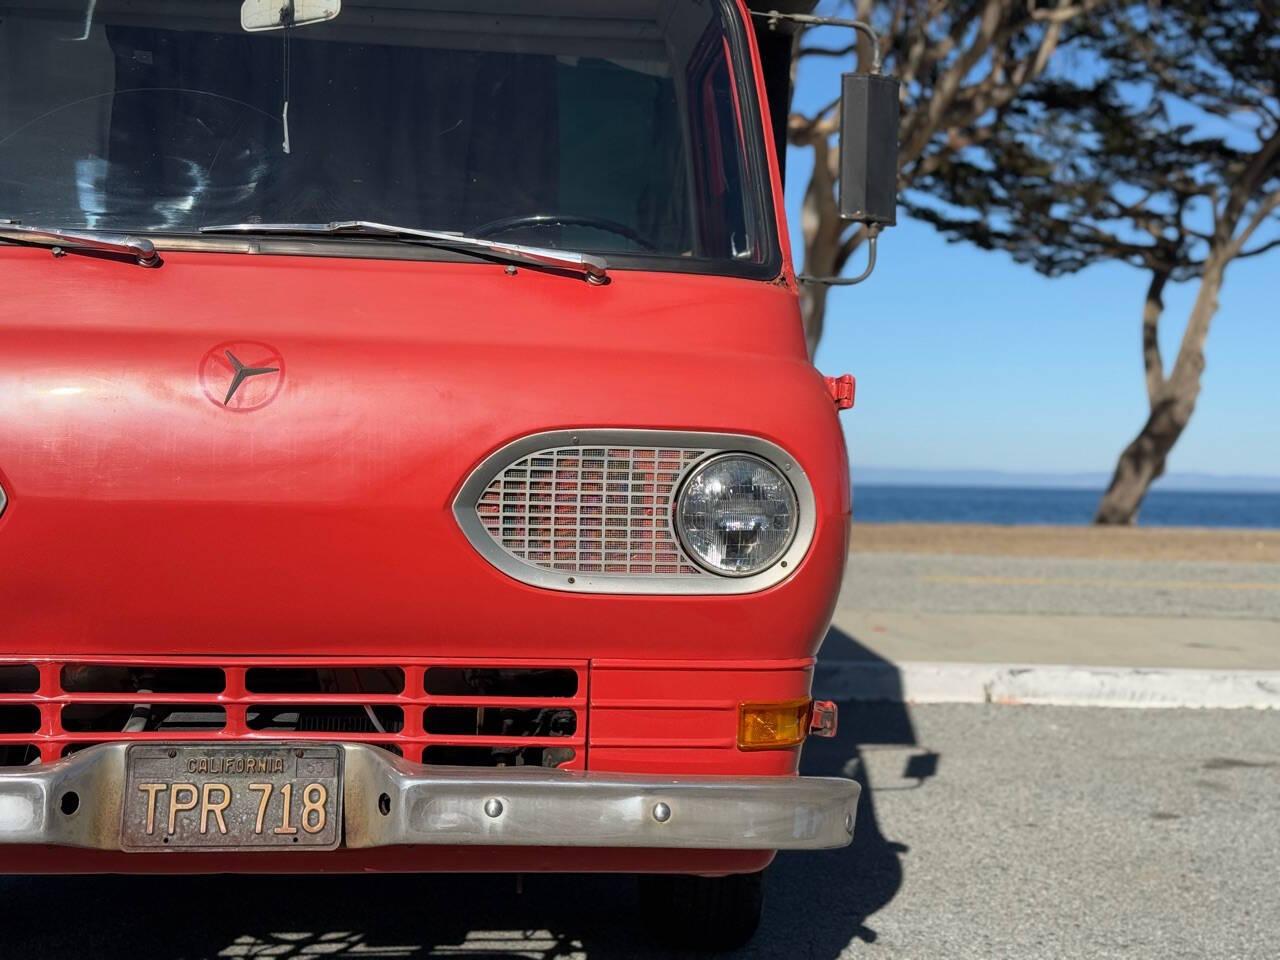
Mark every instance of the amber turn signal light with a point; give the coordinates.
(773, 726)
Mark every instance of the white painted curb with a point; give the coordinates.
(1049, 684)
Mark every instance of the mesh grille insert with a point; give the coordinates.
(592, 510)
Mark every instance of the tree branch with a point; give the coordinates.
(1265, 208)
(828, 52)
(1258, 251)
(1261, 165)
(1060, 15)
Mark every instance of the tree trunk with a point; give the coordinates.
(1152, 361)
(1143, 461)
(1173, 401)
(813, 312)
(821, 228)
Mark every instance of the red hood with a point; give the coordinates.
(145, 516)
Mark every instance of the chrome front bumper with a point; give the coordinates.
(391, 802)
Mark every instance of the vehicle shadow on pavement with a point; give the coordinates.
(823, 901)
(817, 903)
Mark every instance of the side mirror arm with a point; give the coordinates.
(873, 234)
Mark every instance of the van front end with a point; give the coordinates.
(409, 453)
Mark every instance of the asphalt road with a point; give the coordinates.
(986, 832)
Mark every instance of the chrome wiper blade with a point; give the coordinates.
(594, 268)
(142, 250)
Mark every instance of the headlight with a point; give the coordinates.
(736, 515)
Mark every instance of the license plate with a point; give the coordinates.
(232, 797)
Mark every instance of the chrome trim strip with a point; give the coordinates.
(474, 806)
(716, 444)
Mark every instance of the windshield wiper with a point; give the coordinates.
(595, 269)
(144, 251)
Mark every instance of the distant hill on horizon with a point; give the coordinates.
(1188, 482)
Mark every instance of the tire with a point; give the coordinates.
(702, 913)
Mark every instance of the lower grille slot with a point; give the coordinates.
(19, 719)
(499, 757)
(324, 680)
(102, 678)
(487, 682)
(500, 722)
(141, 718)
(326, 719)
(19, 678)
(18, 754)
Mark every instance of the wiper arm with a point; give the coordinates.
(595, 269)
(144, 251)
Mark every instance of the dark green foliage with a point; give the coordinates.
(1131, 147)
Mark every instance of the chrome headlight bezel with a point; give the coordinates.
(705, 583)
(682, 532)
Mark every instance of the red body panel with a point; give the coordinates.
(681, 716)
(146, 518)
(313, 517)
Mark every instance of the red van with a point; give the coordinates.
(409, 455)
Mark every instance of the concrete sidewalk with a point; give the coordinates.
(930, 627)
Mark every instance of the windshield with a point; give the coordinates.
(597, 126)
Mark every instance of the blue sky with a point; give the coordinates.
(966, 360)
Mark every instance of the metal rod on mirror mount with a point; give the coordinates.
(774, 17)
(873, 234)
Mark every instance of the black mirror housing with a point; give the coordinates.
(869, 149)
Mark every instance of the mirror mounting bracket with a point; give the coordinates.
(775, 17)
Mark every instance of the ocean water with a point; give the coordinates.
(1018, 505)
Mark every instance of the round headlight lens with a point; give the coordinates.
(736, 515)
